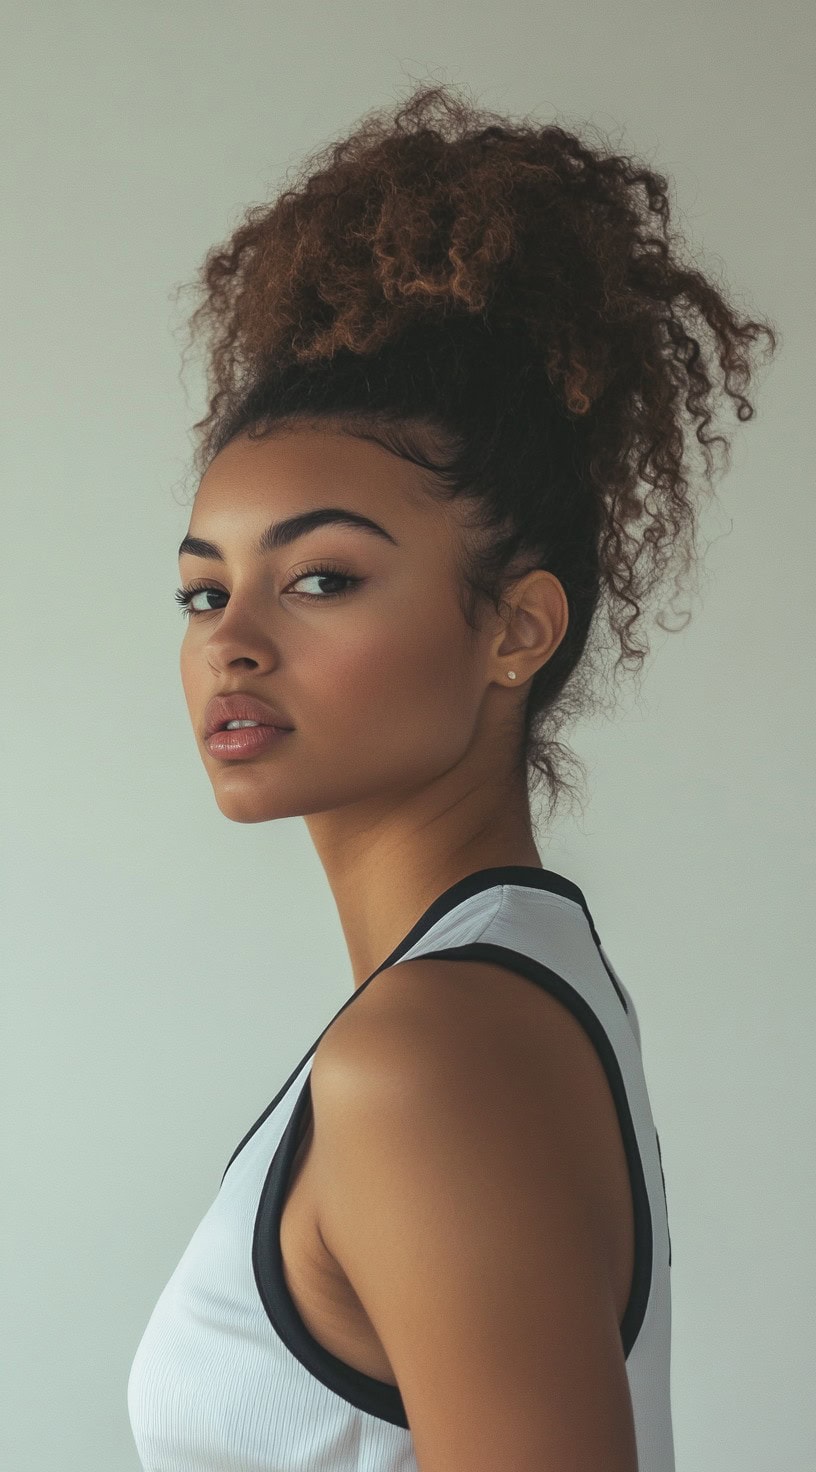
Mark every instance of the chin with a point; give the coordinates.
(243, 802)
(245, 806)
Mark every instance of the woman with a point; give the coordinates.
(449, 376)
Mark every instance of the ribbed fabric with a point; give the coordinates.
(227, 1378)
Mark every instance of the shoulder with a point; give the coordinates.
(457, 1196)
(477, 1037)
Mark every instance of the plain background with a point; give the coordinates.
(165, 969)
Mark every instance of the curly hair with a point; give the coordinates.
(506, 307)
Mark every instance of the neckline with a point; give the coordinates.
(463, 889)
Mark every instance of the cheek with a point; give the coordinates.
(192, 676)
(414, 677)
(186, 671)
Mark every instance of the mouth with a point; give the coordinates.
(229, 708)
(245, 741)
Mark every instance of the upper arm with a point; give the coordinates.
(456, 1201)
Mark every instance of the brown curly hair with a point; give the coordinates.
(505, 306)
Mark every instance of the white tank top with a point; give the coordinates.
(227, 1378)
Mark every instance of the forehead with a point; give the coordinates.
(297, 469)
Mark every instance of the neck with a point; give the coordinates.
(385, 868)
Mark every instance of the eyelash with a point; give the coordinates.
(323, 569)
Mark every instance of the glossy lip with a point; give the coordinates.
(247, 741)
(239, 706)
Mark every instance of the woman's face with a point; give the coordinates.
(380, 678)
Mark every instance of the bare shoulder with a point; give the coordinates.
(483, 1030)
(457, 1194)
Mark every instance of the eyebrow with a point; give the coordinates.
(282, 533)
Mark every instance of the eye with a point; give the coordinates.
(322, 571)
(184, 597)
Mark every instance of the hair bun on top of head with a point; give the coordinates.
(503, 302)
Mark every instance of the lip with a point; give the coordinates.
(239, 706)
(246, 741)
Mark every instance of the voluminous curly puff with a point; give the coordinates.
(506, 307)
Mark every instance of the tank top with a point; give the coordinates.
(227, 1378)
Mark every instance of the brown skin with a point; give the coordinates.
(400, 760)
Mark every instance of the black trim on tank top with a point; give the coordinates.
(665, 1198)
(526, 875)
(366, 1392)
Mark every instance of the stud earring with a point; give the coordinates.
(511, 674)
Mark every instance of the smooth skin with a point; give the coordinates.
(470, 1171)
(403, 718)
(468, 1111)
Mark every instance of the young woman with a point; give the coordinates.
(451, 373)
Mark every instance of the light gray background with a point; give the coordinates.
(164, 969)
